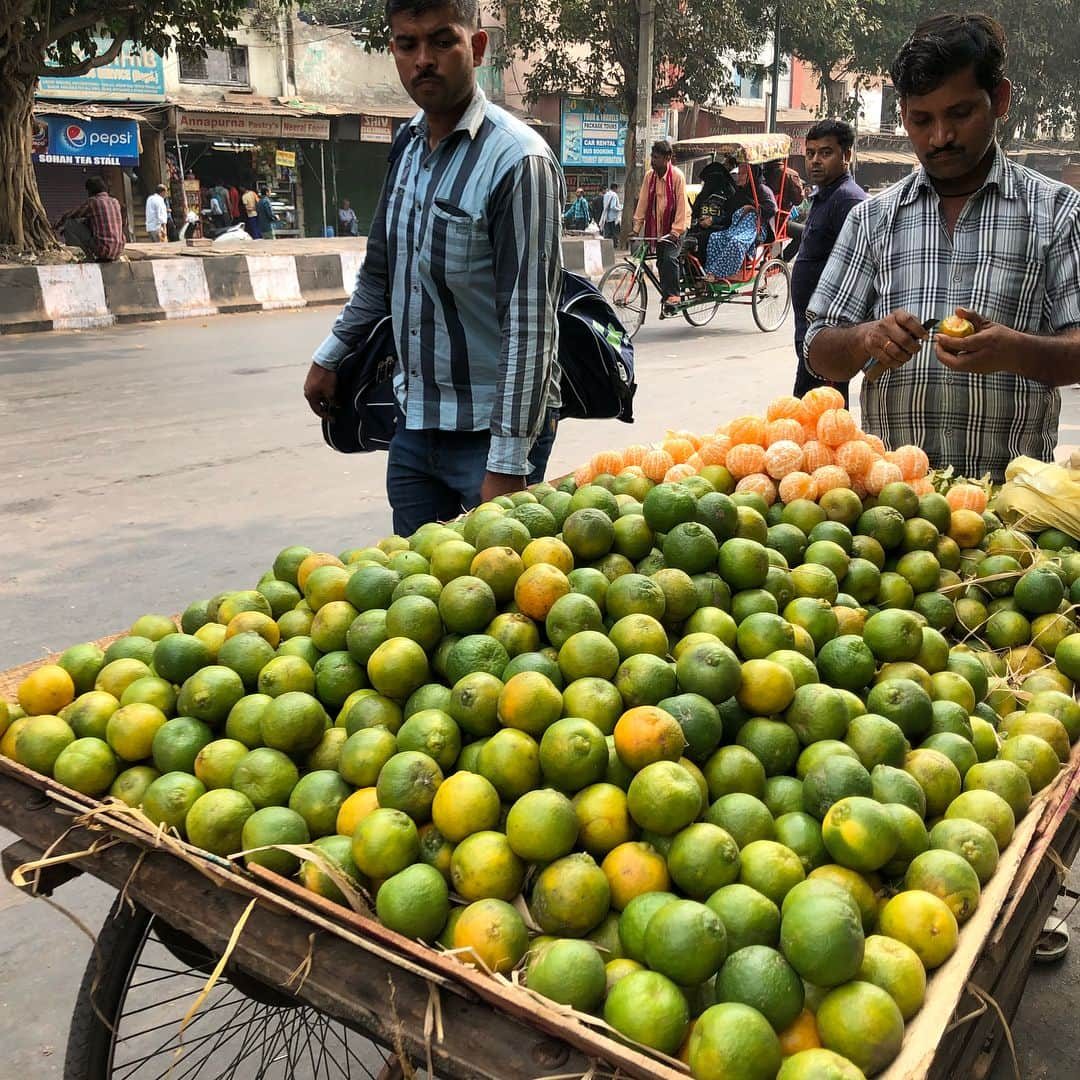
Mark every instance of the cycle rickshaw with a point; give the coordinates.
(763, 281)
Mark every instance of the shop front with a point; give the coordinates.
(356, 160)
(70, 145)
(104, 123)
(239, 150)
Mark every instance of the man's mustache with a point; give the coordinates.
(944, 151)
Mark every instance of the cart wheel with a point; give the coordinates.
(771, 298)
(126, 1023)
(702, 314)
(625, 291)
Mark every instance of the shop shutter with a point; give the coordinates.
(62, 187)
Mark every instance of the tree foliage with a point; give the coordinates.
(67, 38)
(845, 39)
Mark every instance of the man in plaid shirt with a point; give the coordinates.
(969, 232)
(97, 226)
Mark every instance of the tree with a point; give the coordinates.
(63, 38)
(589, 48)
(841, 38)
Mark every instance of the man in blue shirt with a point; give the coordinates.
(465, 255)
(828, 160)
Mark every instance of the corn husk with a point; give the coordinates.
(1041, 496)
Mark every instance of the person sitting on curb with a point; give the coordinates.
(97, 226)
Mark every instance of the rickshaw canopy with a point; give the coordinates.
(750, 149)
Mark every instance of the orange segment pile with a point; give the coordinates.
(799, 449)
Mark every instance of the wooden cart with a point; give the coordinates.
(287, 945)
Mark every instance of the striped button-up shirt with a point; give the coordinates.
(1013, 257)
(466, 244)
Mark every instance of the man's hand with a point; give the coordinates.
(320, 389)
(894, 340)
(499, 484)
(991, 348)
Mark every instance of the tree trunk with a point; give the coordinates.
(23, 221)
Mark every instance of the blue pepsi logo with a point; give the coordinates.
(76, 136)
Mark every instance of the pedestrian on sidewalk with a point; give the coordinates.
(219, 205)
(250, 201)
(157, 216)
(97, 226)
(611, 213)
(464, 253)
(264, 211)
(969, 232)
(578, 214)
(829, 144)
(663, 211)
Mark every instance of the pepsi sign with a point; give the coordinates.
(60, 140)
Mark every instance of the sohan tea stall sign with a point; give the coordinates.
(63, 140)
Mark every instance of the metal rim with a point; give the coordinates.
(771, 298)
(242, 1028)
(625, 291)
(701, 314)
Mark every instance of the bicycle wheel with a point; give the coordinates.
(126, 1022)
(702, 313)
(625, 291)
(771, 298)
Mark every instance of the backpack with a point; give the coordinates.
(596, 359)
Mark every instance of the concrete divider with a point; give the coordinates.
(176, 286)
(73, 296)
(22, 303)
(182, 288)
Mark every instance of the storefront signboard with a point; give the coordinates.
(135, 75)
(377, 129)
(591, 135)
(63, 140)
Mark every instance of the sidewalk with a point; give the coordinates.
(175, 281)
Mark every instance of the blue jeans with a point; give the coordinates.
(434, 475)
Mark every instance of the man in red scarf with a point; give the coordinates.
(662, 208)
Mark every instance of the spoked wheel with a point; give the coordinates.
(625, 291)
(126, 1023)
(702, 313)
(771, 298)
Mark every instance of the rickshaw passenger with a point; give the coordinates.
(750, 225)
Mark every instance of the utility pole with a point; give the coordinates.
(775, 69)
(646, 38)
(635, 171)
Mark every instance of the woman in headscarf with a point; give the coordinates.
(751, 224)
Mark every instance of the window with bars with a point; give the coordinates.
(225, 67)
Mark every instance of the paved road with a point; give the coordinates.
(150, 465)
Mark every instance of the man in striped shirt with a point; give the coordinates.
(969, 232)
(97, 226)
(465, 254)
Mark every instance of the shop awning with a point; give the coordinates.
(87, 112)
(885, 157)
(751, 114)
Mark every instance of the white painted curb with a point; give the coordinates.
(182, 289)
(74, 296)
(274, 281)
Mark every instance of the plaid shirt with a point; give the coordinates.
(1014, 257)
(106, 220)
(467, 246)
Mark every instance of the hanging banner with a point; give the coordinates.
(135, 75)
(60, 140)
(285, 159)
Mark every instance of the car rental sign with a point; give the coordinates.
(63, 140)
